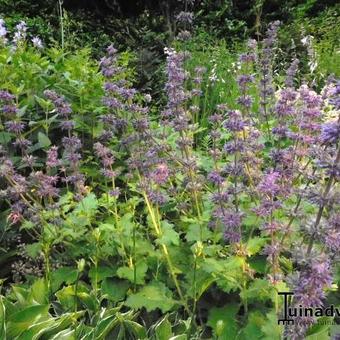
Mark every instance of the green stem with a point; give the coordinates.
(165, 250)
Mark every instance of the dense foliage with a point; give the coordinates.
(176, 214)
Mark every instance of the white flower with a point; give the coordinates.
(37, 42)
(148, 98)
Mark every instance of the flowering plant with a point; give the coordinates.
(130, 228)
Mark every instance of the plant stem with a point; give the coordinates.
(165, 250)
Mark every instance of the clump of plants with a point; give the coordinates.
(132, 227)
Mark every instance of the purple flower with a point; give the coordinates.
(111, 51)
(22, 143)
(6, 167)
(270, 184)
(215, 177)
(272, 251)
(157, 197)
(291, 72)
(15, 126)
(10, 109)
(161, 174)
(244, 80)
(29, 160)
(330, 133)
(234, 122)
(184, 35)
(46, 185)
(5, 96)
(115, 192)
(335, 97)
(313, 279)
(67, 125)
(332, 233)
(232, 220)
(60, 103)
(108, 173)
(247, 58)
(71, 143)
(52, 157)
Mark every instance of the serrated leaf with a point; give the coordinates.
(128, 273)
(153, 296)
(5, 137)
(87, 205)
(271, 329)
(115, 289)
(33, 249)
(101, 273)
(61, 275)
(223, 321)
(169, 235)
(194, 233)
(253, 328)
(259, 289)
(255, 244)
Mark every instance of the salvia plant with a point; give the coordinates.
(119, 223)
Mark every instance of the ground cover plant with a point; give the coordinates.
(126, 218)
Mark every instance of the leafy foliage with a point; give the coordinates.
(125, 216)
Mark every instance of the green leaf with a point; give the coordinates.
(271, 329)
(320, 330)
(36, 330)
(66, 334)
(259, 289)
(153, 296)
(102, 272)
(87, 205)
(21, 294)
(61, 275)
(194, 233)
(102, 329)
(223, 321)
(129, 274)
(2, 319)
(46, 105)
(258, 263)
(228, 272)
(33, 249)
(66, 297)
(169, 235)
(163, 329)
(115, 289)
(43, 140)
(179, 337)
(137, 329)
(253, 328)
(39, 291)
(21, 320)
(255, 244)
(5, 137)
